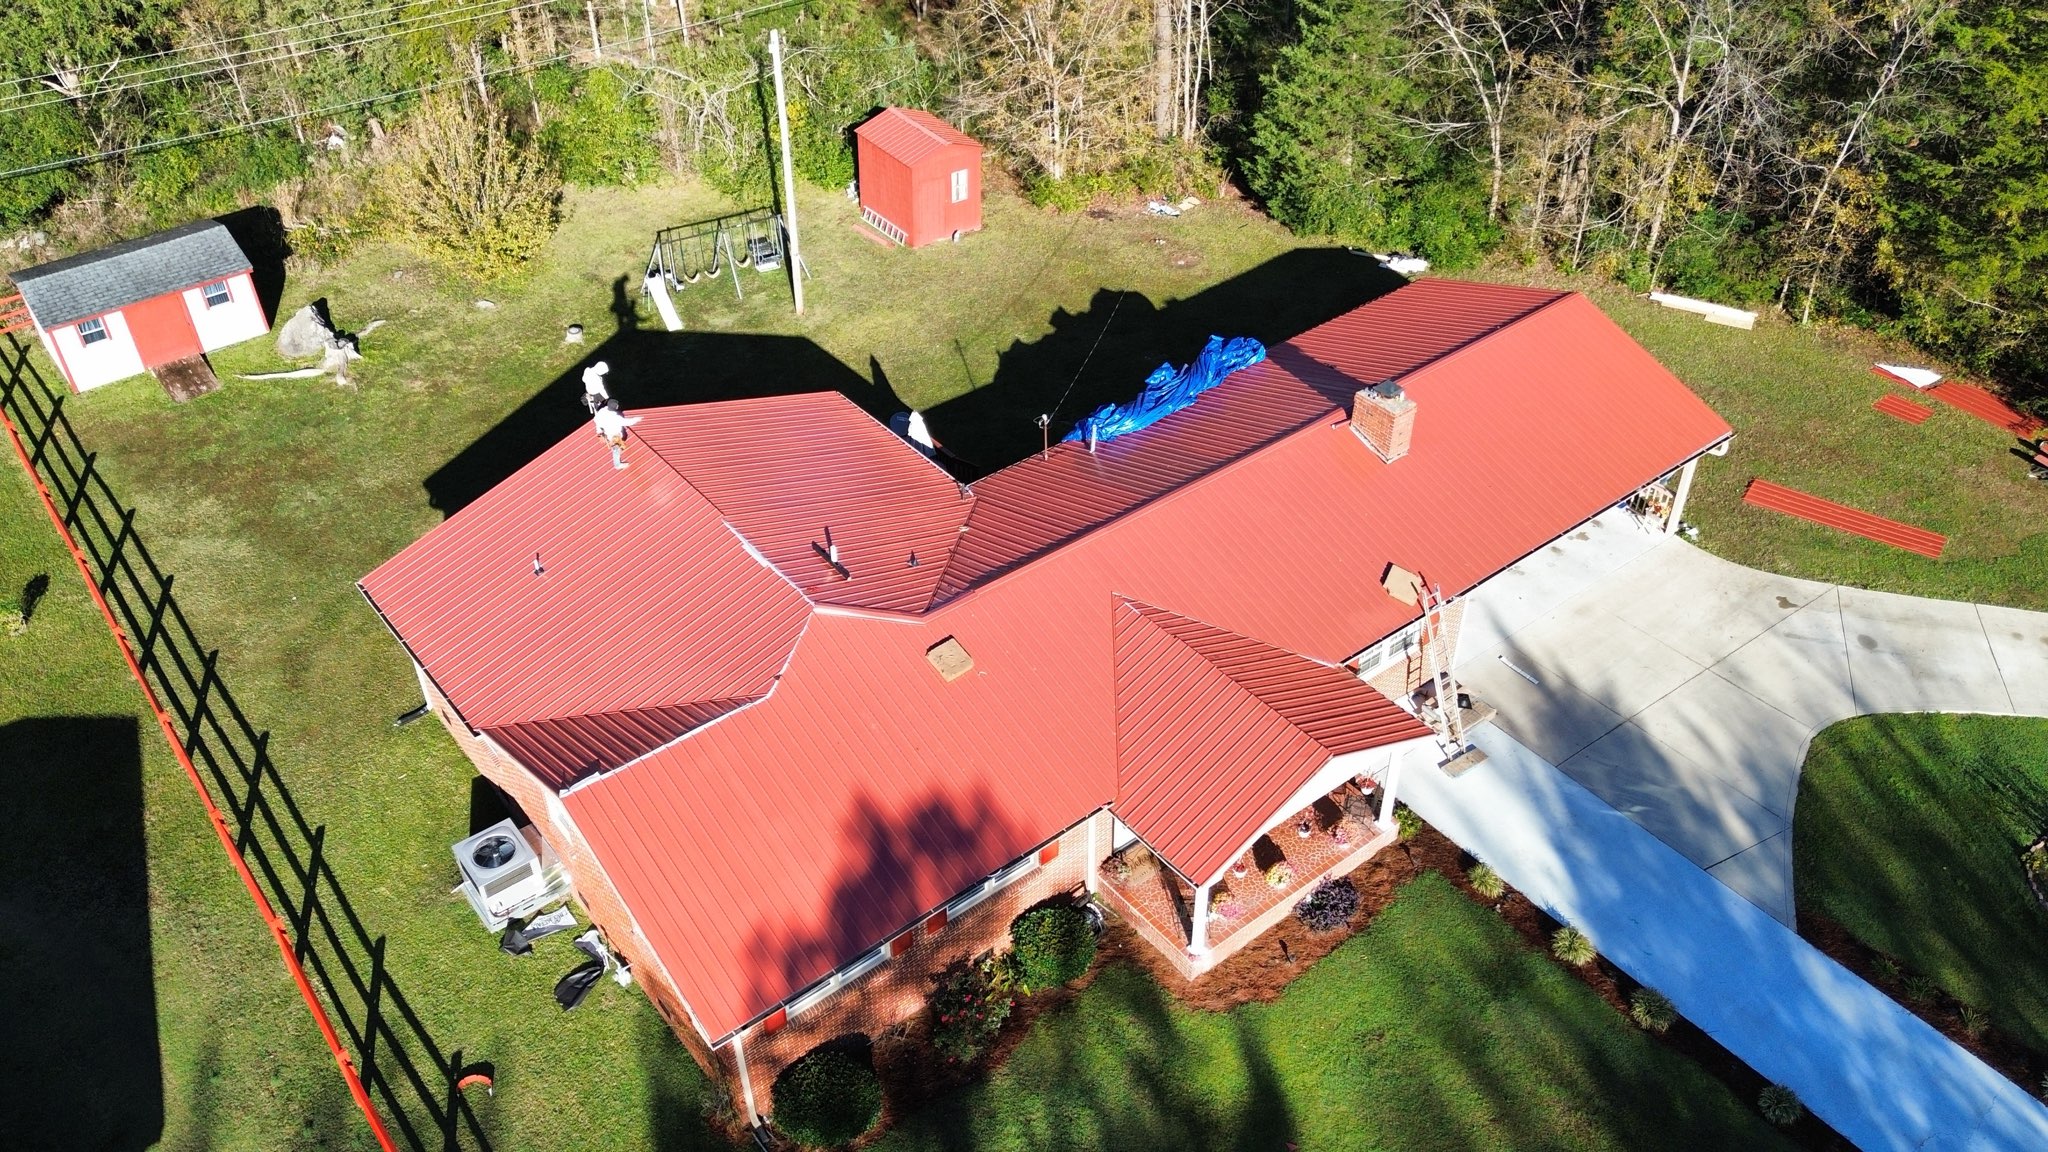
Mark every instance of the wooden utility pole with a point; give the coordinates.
(796, 259)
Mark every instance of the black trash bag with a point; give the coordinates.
(515, 941)
(571, 989)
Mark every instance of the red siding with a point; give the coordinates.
(907, 160)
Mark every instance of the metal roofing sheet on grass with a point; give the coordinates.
(764, 849)
(96, 282)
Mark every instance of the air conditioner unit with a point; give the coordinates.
(501, 867)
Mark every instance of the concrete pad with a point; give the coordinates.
(1801, 667)
(1762, 875)
(2019, 641)
(1703, 605)
(1532, 588)
(1672, 798)
(1911, 654)
(1743, 741)
(1550, 716)
(1602, 655)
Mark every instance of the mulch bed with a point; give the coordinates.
(1942, 1012)
(913, 1075)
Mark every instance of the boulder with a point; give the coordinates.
(304, 335)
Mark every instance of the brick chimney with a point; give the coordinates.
(1384, 417)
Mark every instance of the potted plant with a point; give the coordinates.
(1280, 875)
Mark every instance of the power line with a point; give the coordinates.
(119, 60)
(220, 65)
(369, 101)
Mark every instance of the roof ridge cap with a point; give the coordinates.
(1136, 609)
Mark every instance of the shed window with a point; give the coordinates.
(216, 293)
(92, 331)
(959, 185)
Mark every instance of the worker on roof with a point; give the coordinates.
(595, 394)
(611, 428)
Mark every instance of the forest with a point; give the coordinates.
(1878, 162)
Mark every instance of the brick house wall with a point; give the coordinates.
(896, 990)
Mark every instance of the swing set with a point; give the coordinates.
(694, 253)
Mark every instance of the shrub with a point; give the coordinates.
(968, 1005)
(1975, 1022)
(1571, 946)
(462, 189)
(1887, 968)
(1780, 1105)
(603, 131)
(1487, 882)
(1054, 944)
(1921, 987)
(1329, 906)
(827, 1097)
(1407, 821)
(1651, 1010)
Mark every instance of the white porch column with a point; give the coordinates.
(1094, 861)
(1678, 500)
(1198, 935)
(1387, 782)
(739, 1050)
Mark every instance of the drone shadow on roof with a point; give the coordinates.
(1090, 358)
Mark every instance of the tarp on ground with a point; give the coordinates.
(1168, 390)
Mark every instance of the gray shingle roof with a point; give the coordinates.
(107, 278)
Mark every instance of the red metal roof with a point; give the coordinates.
(646, 601)
(768, 847)
(790, 473)
(911, 134)
(1216, 731)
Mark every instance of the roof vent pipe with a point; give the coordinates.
(1384, 417)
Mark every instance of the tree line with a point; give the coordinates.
(1879, 161)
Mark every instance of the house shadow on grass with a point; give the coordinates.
(1090, 358)
(80, 1065)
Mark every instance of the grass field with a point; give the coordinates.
(269, 499)
(1433, 1029)
(1908, 833)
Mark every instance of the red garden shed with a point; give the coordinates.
(920, 177)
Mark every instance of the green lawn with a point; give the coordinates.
(1908, 832)
(268, 499)
(1433, 1029)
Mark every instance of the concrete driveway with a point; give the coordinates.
(1683, 689)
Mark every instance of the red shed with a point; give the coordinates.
(920, 177)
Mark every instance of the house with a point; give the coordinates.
(143, 304)
(920, 177)
(805, 719)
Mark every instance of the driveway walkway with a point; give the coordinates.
(1879, 1075)
(1683, 689)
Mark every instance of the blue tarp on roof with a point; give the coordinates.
(1168, 391)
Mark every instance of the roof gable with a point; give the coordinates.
(92, 283)
(912, 134)
(1216, 731)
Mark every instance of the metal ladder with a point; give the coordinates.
(1435, 643)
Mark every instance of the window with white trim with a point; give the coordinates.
(823, 989)
(216, 294)
(92, 331)
(1380, 654)
(1002, 879)
(959, 185)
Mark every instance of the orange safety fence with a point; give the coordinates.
(317, 947)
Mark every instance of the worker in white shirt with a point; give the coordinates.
(611, 428)
(595, 394)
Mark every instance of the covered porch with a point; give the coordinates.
(1340, 820)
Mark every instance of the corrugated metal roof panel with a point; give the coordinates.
(565, 750)
(99, 281)
(911, 134)
(1216, 731)
(646, 600)
(791, 472)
